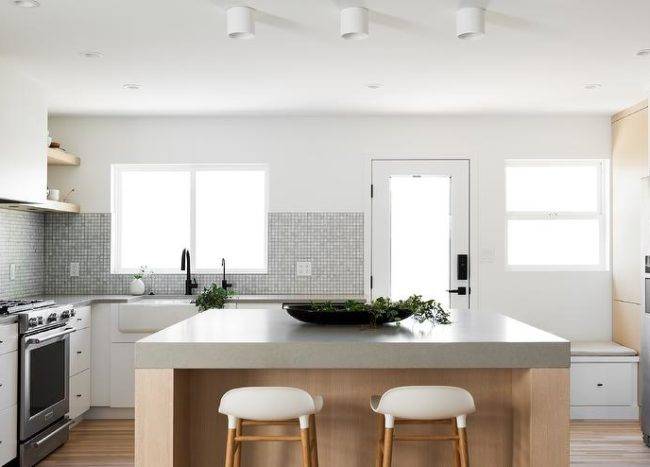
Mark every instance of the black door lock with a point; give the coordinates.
(459, 291)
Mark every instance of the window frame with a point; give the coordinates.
(601, 214)
(118, 169)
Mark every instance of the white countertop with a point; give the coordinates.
(260, 338)
(83, 300)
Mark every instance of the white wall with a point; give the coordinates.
(318, 164)
(23, 132)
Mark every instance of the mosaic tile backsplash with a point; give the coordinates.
(21, 243)
(333, 242)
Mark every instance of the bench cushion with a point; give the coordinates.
(592, 348)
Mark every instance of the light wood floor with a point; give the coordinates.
(109, 443)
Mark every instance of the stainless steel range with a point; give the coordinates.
(43, 396)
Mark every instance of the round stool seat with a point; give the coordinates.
(269, 403)
(424, 402)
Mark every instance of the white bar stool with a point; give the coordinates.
(266, 406)
(415, 405)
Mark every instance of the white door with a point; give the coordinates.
(420, 230)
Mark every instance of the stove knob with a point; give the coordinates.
(65, 315)
(51, 318)
(32, 322)
(40, 320)
(72, 312)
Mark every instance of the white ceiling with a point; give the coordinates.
(536, 57)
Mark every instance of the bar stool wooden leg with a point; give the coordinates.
(313, 441)
(380, 440)
(230, 447)
(462, 444)
(304, 442)
(388, 447)
(238, 445)
(456, 443)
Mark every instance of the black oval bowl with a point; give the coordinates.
(305, 313)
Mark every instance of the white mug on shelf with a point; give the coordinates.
(53, 194)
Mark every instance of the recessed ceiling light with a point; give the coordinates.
(91, 54)
(26, 3)
(374, 85)
(591, 86)
(131, 86)
(354, 23)
(643, 53)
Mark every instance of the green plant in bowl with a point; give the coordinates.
(213, 296)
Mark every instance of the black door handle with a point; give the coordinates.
(459, 291)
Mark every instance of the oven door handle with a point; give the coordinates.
(38, 340)
(54, 433)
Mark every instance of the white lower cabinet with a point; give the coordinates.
(80, 359)
(79, 351)
(8, 379)
(604, 388)
(8, 432)
(79, 393)
(123, 375)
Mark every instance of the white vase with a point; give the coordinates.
(136, 287)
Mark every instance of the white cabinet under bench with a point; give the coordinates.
(80, 362)
(604, 381)
(8, 391)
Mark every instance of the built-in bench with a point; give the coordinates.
(604, 382)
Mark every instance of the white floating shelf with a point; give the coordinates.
(56, 156)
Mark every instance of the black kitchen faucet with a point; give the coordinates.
(189, 283)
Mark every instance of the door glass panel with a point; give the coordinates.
(553, 242)
(46, 376)
(419, 237)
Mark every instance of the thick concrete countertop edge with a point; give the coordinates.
(303, 355)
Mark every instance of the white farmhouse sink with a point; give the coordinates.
(152, 315)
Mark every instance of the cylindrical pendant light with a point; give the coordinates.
(240, 22)
(470, 22)
(354, 23)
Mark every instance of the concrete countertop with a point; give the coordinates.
(260, 338)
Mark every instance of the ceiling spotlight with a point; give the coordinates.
(374, 85)
(91, 54)
(131, 86)
(592, 86)
(240, 22)
(643, 53)
(26, 3)
(470, 22)
(354, 23)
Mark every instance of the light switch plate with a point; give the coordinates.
(303, 268)
(74, 269)
(12, 272)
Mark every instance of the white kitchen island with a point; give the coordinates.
(517, 374)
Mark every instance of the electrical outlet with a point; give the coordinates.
(12, 272)
(74, 269)
(303, 268)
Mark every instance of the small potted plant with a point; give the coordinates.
(213, 297)
(136, 287)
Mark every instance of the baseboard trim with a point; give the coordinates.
(109, 413)
(591, 412)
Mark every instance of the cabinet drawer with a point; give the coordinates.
(79, 351)
(81, 318)
(8, 380)
(603, 384)
(8, 441)
(8, 337)
(79, 393)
